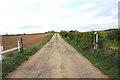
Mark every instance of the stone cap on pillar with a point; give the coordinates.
(95, 32)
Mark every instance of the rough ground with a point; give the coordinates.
(57, 59)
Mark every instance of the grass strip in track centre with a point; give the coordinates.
(12, 62)
(107, 64)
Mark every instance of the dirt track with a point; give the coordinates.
(57, 59)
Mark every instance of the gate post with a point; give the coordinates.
(1, 48)
(96, 40)
(21, 44)
(18, 46)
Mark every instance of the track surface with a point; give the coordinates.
(57, 59)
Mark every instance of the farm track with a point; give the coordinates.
(57, 59)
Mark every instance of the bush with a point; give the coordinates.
(86, 40)
(72, 35)
(114, 35)
(64, 33)
(101, 41)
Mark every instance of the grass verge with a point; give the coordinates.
(12, 62)
(108, 65)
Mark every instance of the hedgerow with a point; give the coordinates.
(83, 39)
(104, 58)
(114, 35)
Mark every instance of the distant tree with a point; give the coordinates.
(64, 33)
(24, 33)
(71, 31)
(76, 31)
(6, 33)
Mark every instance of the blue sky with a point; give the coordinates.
(33, 16)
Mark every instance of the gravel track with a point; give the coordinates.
(57, 59)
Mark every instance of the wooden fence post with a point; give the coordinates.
(21, 44)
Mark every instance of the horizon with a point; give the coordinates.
(37, 16)
(54, 32)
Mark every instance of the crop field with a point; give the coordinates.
(28, 40)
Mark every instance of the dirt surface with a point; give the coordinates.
(28, 40)
(57, 59)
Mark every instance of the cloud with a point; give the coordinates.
(43, 15)
(107, 9)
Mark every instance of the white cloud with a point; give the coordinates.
(50, 14)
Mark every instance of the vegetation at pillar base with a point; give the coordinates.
(14, 60)
(105, 57)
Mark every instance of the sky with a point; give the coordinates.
(37, 16)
